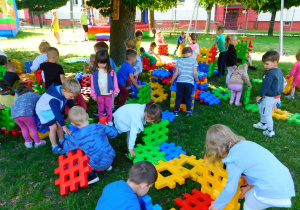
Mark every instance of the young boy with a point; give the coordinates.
(43, 47)
(52, 71)
(84, 24)
(49, 110)
(220, 40)
(180, 41)
(152, 60)
(124, 195)
(124, 72)
(186, 70)
(11, 76)
(160, 39)
(270, 92)
(92, 139)
(138, 38)
(103, 46)
(151, 50)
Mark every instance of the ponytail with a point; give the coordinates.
(22, 88)
(227, 39)
(153, 110)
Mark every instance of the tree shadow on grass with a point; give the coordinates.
(25, 34)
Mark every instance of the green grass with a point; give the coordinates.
(27, 175)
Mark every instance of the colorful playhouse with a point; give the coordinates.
(9, 20)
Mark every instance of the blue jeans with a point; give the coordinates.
(222, 64)
(183, 89)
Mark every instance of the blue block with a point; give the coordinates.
(209, 98)
(71, 128)
(146, 203)
(171, 150)
(201, 75)
(43, 129)
(27, 66)
(135, 90)
(161, 73)
(166, 115)
(78, 75)
(202, 87)
(203, 67)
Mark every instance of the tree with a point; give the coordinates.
(123, 29)
(40, 7)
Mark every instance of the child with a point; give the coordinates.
(124, 195)
(138, 65)
(194, 45)
(22, 111)
(7, 94)
(11, 76)
(52, 71)
(270, 91)
(43, 47)
(124, 72)
(103, 83)
(103, 46)
(84, 24)
(151, 50)
(231, 57)
(220, 40)
(90, 62)
(95, 145)
(79, 101)
(55, 26)
(160, 39)
(296, 74)
(238, 77)
(152, 60)
(138, 38)
(270, 182)
(131, 118)
(180, 41)
(186, 70)
(50, 106)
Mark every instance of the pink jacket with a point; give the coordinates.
(195, 48)
(296, 73)
(116, 87)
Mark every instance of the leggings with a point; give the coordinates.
(28, 124)
(236, 90)
(125, 94)
(105, 101)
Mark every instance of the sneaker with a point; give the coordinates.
(109, 168)
(92, 178)
(238, 104)
(189, 113)
(269, 133)
(126, 154)
(176, 114)
(61, 143)
(129, 88)
(110, 124)
(290, 97)
(28, 145)
(230, 102)
(58, 150)
(260, 126)
(42, 143)
(95, 113)
(252, 67)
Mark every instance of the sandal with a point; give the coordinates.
(58, 150)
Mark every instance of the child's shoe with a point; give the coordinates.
(260, 126)
(109, 168)
(92, 178)
(61, 143)
(252, 67)
(238, 104)
(269, 133)
(176, 113)
(95, 113)
(28, 145)
(290, 97)
(58, 150)
(110, 123)
(189, 113)
(230, 102)
(42, 143)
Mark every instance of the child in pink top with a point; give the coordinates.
(296, 73)
(194, 45)
(160, 39)
(104, 84)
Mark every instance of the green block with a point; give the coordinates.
(6, 120)
(2, 71)
(222, 93)
(144, 94)
(252, 108)
(132, 101)
(39, 88)
(242, 52)
(211, 69)
(90, 120)
(295, 118)
(247, 96)
(156, 134)
(256, 81)
(149, 153)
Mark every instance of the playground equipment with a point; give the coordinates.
(9, 20)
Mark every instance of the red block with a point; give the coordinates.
(167, 80)
(38, 75)
(103, 120)
(170, 66)
(72, 171)
(146, 63)
(85, 80)
(197, 94)
(12, 132)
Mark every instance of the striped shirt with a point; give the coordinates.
(186, 69)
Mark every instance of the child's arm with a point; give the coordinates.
(35, 65)
(116, 86)
(70, 144)
(55, 107)
(196, 74)
(175, 76)
(265, 87)
(110, 131)
(214, 44)
(131, 76)
(62, 78)
(84, 67)
(246, 79)
(155, 55)
(93, 92)
(293, 71)
(133, 134)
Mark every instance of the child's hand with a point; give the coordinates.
(139, 86)
(132, 153)
(95, 99)
(244, 191)
(171, 82)
(258, 98)
(234, 67)
(212, 206)
(274, 107)
(40, 126)
(67, 131)
(197, 80)
(115, 96)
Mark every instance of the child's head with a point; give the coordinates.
(230, 39)
(219, 140)
(298, 56)
(84, 10)
(270, 59)
(152, 46)
(52, 54)
(5, 88)
(193, 37)
(131, 56)
(130, 44)
(159, 33)
(3, 60)
(44, 46)
(71, 89)
(54, 13)
(152, 112)
(102, 60)
(187, 51)
(142, 175)
(220, 29)
(10, 67)
(100, 46)
(22, 89)
(142, 50)
(78, 116)
(138, 35)
(92, 58)
(182, 34)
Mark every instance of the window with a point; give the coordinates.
(287, 23)
(159, 22)
(180, 2)
(176, 22)
(75, 2)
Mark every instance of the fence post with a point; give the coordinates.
(292, 22)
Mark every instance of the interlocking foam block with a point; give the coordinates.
(72, 171)
(201, 87)
(161, 73)
(166, 115)
(2, 71)
(247, 96)
(5, 119)
(197, 200)
(135, 90)
(197, 94)
(203, 67)
(252, 108)
(170, 66)
(69, 75)
(149, 153)
(156, 133)
(222, 93)
(162, 49)
(209, 98)
(288, 86)
(146, 63)
(242, 50)
(12, 132)
(28, 64)
(146, 203)
(281, 115)
(40, 89)
(86, 91)
(295, 118)
(167, 81)
(78, 75)
(157, 92)
(144, 94)
(204, 56)
(17, 65)
(256, 81)
(85, 80)
(201, 75)
(171, 151)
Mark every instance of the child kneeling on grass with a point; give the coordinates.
(124, 195)
(93, 140)
(295, 72)
(268, 182)
(49, 110)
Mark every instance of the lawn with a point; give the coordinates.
(27, 175)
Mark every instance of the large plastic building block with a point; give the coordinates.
(41, 135)
(38, 76)
(156, 134)
(86, 91)
(149, 153)
(12, 132)
(171, 151)
(146, 203)
(252, 108)
(242, 50)
(162, 49)
(166, 115)
(144, 94)
(132, 101)
(6, 120)
(86, 98)
(201, 87)
(222, 93)
(209, 98)
(182, 105)
(72, 171)
(85, 80)
(160, 63)
(196, 201)
(161, 73)
(201, 75)
(135, 90)
(43, 129)
(203, 67)
(288, 86)
(157, 92)
(247, 96)
(146, 63)
(170, 66)
(17, 65)
(204, 56)
(78, 75)
(72, 128)
(256, 81)
(295, 118)
(167, 81)
(28, 64)
(281, 115)
(197, 94)
(2, 71)
(213, 53)
(40, 89)
(69, 75)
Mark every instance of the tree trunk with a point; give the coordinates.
(40, 20)
(120, 30)
(271, 27)
(208, 18)
(152, 20)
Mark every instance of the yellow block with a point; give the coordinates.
(69, 75)
(281, 115)
(86, 98)
(41, 135)
(288, 86)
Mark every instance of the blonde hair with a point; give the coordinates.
(219, 140)
(220, 28)
(298, 56)
(228, 38)
(44, 46)
(77, 115)
(72, 86)
(10, 67)
(52, 52)
(93, 56)
(130, 44)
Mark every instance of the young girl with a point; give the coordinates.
(90, 62)
(104, 84)
(237, 79)
(22, 111)
(231, 57)
(194, 45)
(269, 182)
(43, 47)
(296, 73)
(55, 26)
(131, 118)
